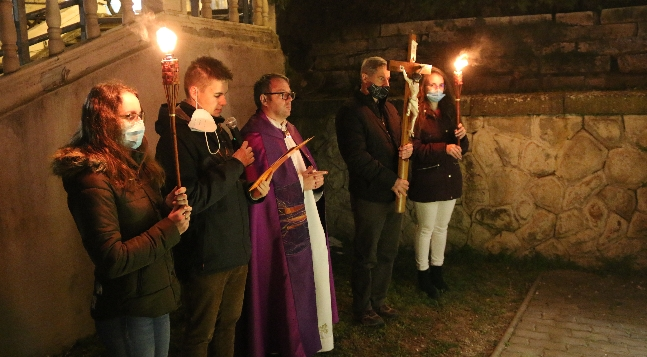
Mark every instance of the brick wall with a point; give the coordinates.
(604, 50)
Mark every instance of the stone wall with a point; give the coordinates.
(563, 175)
(45, 272)
(557, 171)
(604, 50)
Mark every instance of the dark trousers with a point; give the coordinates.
(213, 304)
(377, 236)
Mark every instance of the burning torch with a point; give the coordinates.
(166, 39)
(460, 63)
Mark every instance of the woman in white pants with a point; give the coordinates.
(436, 180)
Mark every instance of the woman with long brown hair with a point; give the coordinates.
(436, 179)
(127, 227)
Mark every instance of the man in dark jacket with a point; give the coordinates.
(212, 257)
(368, 135)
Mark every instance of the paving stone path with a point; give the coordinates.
(578, 314)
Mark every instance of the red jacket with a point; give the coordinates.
(435, 176)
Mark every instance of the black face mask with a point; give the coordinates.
(378, 92)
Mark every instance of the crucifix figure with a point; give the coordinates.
(412, 74)
(412, 106)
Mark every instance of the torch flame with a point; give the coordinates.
(166, 39)
(461, 62)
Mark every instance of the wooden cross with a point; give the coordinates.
(410, 67)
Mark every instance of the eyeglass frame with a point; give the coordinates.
(292, 95)
(130, 117)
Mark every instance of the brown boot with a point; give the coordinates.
(387, 312)
(369, 318)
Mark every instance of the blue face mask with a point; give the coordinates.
(435, 96)
(133, 133)
(378, 92)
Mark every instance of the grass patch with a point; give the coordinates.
(470, 319)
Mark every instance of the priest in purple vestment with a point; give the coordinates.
(290, 305)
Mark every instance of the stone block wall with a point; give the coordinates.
(604, 50)
(563, 175)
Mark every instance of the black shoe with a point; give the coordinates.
(437, 278)
(369, 318)
(387, 312)
(424, 282)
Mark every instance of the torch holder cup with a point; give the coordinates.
(170, 70)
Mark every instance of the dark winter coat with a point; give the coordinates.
(218, 238)
(369, 146)
(435, 176)
(126, 236)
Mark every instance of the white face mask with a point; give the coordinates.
(202, 121)
(435, 96)
(133, 133)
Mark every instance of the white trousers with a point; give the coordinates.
(431, 238)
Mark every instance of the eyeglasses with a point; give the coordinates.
(133, 116)
(284, 95)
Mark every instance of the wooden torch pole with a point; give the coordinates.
(460, 63)
(170, 78)
(458, 82)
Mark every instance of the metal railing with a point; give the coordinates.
(14, 22)
(22, 20)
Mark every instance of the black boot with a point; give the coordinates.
(436, 274)
(424, 282)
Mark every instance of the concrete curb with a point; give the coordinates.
(524, 305)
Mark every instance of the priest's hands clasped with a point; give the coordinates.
(312, 179)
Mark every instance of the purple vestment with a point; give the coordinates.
(280, 311)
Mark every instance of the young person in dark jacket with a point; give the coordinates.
(436, 179)
(368, 135)
(113, 189)
(212, 258)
